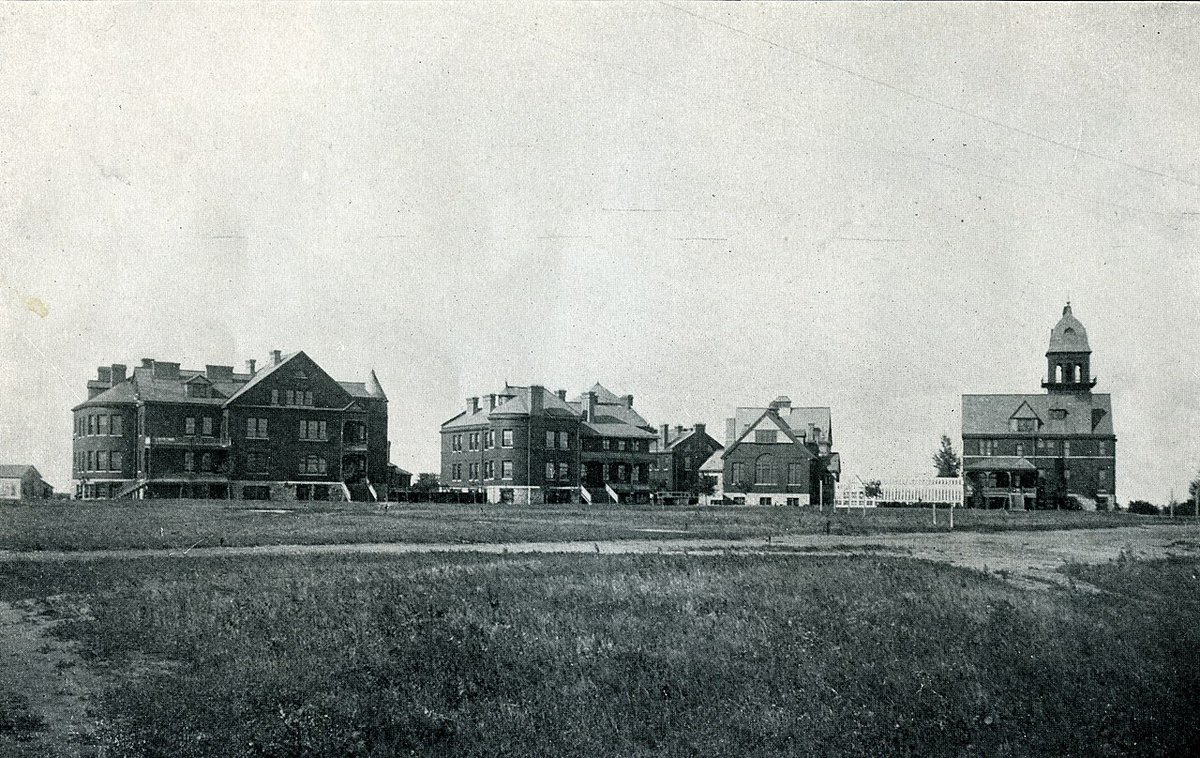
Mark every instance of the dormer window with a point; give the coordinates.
(197, 390)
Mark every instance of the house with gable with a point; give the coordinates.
(530, 445)
(679, 454)
(779, 455)
(1044, 451)
(23, 482)
(288, 431)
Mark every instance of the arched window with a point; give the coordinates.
(764, 470)
(1058, 374)
(1078, 373)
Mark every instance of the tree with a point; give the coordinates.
(872, 488)
(426, 483)
(1142, 507)
(946, 460)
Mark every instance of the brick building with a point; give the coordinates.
(530, 445)
(287, 431)
(778, 455)
(679, 453)
(1044, 451)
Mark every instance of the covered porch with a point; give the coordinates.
(1007, 482)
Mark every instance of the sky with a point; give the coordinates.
(874, 207)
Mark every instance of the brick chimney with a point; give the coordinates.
(628, 400)
(250, 366)
(562, 395)
(218, 373)
(472, 405)
(589, 406)
(276, 357)
(664, 433)
(491, 401)
(699, 429)
(118, 373)
(104, 374)
(147, 363)
(537, 399)
(730, 431)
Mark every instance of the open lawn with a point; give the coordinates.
(97, 525)
(597, 655)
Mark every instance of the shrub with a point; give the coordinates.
(1142, 507)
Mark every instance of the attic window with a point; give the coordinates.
(301, 376)
(196, 389)
(768, 436)
(1058, 414)
(1069, 331)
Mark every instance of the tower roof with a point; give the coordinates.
(1068, 335)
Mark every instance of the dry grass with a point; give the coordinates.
(632, 655)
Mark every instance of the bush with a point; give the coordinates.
(1143, 508)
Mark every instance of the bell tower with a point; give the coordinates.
(1068, 360)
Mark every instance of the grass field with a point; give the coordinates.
(91, 525)
(628, 656)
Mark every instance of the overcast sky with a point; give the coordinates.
(872, 207)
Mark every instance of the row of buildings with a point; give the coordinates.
(290, 431)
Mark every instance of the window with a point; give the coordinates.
(620, 444)
(635, 473)
(489, 439)
(1102, 480)
(206, 462)
(550, 438)
(489, 469)
(274, 397)
(550, 467)
(102, 460)
(256, 428)
(102, 425)
(189, 460)
(91, 425)
(473, 441)
(1058, 414)
(196, 389)
(1102, 447)
(1020, 450)
(768, 436)
(1022, 425)
(206, 426)
(116, 426)
(189, 426)
(257, 462)
(314, 430)
(473, 471)
(308, 398)
(89, 460)
(313, 464)
(506, 438)
(1078, 373)
(1058, 374)
(606, 444)
(291, 397)
(116, 460)
(621, 472)
(764, 470)
(506, 470)
(564, 470)
(456, 442)
(564, 440)
(793, 501)
(764, 501)
(1066, 448)
(738, 473)
(795, 473)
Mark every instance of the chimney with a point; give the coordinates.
(537, 399)
(679, 430)
(166, 370)
(472, 405)
(699, 429)
(628, 400)
(250, 366)
(730, 431)
(664, 432)
(147, 363)
(491, 401)
(118, 373)
(104, 374)
(276, 357)
(783, 401)
(589, 406)
(218, 373)
(812, 434)
(562, 395)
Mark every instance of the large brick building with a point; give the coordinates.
(679, 454)
(286, 431)
(778, 455)
(1048, 450)
(530, 445)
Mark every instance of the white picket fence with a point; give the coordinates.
(912, 491)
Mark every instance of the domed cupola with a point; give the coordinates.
(1068, 360)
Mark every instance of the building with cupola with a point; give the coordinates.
(1052, 450)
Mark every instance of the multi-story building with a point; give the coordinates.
(1049, 450)
(679, 454)
(530, 445)
(287, 431)
(779, 455)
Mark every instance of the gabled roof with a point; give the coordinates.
(1000, 463)
(778, 424)
(163, 390)
(689, 433)
(514, 401)
(123, 393)
(16, 471)
(1085, 414)
(263, 374)
(795, 418)
(714, 464)
(1023, 411)
(603, 395)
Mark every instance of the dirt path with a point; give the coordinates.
(1028, 558)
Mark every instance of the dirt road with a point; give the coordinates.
(1031, 559)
